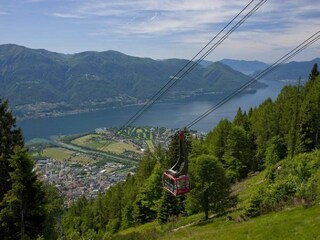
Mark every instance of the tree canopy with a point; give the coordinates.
(28, 208)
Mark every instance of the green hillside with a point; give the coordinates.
(244, 173)
(290, 223)
(294, 221)
(297, 223)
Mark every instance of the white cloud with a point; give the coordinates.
(169, 15)
(66, 15)
(185, 15)
(162, 28)
(191, 24)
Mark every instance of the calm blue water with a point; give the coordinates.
(171, 115)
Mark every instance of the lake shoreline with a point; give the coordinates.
(169, 114)
(182, 96)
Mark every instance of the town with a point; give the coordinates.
(88, 164)
(74, 180)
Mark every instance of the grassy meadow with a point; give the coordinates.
(63, 154)
(298, 223)
(100, 143)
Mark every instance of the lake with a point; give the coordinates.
(167, 114)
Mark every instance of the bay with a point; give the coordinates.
(175, 114)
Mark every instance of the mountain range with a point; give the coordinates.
(246, 67)
(38, 82)
(292, 71)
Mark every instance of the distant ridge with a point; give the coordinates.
(289, 71)
(293, 70)
(246, 67)
(39, 82)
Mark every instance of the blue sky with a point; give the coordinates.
(160, 29)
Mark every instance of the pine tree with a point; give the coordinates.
(72, 219)
(168, 207)
(127, 216)
(217, 139)
(264, 125)
(310, 117)
(53, 211)
(146, 204)
(241, 119)
(10, 136)
(22, 212)
(291, 118)
(314, 73)
(276, 151)
(238, 156)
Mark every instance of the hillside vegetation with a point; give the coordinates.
(278, 139)
(297, 223)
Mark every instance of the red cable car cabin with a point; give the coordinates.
(176, 186)
(175, 180)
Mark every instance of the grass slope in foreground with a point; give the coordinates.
(291, 223)
(297, 223)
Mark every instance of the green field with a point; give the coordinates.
(94, 141)
(120, 147)
(57, 153)
(63, 154)
(150, 145)
(99, 142)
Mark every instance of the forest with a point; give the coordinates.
(279, 137)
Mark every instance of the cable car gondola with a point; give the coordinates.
(175, 180)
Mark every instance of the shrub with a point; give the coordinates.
(291, 181)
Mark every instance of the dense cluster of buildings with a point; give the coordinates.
(75, 180)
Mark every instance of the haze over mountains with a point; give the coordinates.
(289, 71)
(39, 82)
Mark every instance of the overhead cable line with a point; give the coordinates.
(305, 44)
(188, 67)
(226, 35)
(212, 48)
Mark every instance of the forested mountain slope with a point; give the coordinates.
(38, 80)
(279, 138)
